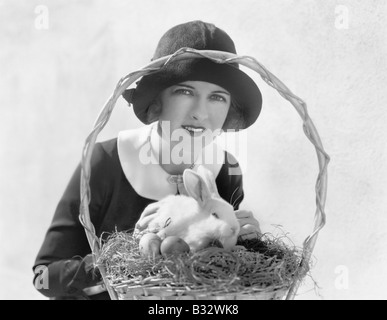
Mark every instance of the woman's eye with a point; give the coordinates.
(184, 91)
(217, 97)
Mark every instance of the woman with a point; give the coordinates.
(184, 107)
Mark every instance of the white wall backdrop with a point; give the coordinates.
(56, 74)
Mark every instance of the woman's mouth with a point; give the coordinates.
(194, 131)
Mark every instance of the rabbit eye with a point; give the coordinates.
(215, 215)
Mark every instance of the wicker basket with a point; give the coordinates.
(154, 289)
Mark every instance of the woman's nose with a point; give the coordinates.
(200, 109)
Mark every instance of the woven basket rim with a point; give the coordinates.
(198, 288)
(155, 292)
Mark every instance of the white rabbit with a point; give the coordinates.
(199, 219)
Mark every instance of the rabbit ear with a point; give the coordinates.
(196, 186)
(209, 179)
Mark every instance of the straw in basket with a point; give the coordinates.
(164, 288)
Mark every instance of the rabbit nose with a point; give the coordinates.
(234, 230)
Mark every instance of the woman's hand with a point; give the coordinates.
(147, 216)
(249, 225)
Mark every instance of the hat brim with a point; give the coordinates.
(242, 88)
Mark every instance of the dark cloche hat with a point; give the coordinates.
(200, 36)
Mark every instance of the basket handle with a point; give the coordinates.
(218, 57)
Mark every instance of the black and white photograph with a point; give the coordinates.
(193, 150)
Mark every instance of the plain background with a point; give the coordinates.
(55, 80)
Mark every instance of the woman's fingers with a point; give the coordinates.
(248, 232)
(249, 225)
(249, 228)
(249, 236)
(240, 214)
(249, 221)
(147, 216)
(247, 218)
(144, 223)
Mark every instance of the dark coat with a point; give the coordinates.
(114, 205)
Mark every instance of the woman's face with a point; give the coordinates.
(194, 108)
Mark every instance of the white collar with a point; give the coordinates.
(141, 167)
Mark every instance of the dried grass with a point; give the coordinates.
(267, 263)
